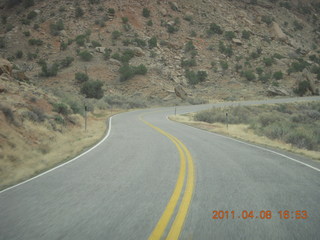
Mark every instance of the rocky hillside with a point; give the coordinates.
(214, 49)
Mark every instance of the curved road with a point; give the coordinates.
(151, 178)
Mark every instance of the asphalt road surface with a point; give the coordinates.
(152, 178)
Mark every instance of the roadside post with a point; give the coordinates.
(85, 117)
(175, 110)
(227, 119)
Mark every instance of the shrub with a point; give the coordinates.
(268, 61)
(28, 3)
(66, 62)
(111, 11)
(60, 108)
(172, 29)
(286, 5)
(249, 75)
(81, 77)
(214, 29)
(36, 26)
(146, 12)
(224, 65)
(188, 63)
(107, 53)
(94, 1)
(139, 42)
(297, 26)
(229, 35)
(19, 54)
(152, 42)
(189, 46)
(12, 3)
(2, 42)
(278, 56)
(267, 19)
(225, 50)
(37, 42)
(125, 20)
(127, 55)
(95, 44)
(195, 78)
(278, 75)
(246, 34)
(85, 56)
(55, 28)
(265, 77)
(49, 71)
(302, 88)
(27, 33)
(31, 15)
(81, 39)
(92, 89)
(8, 113)
(150, 23)
(25, 21)
(298, 66)
(115, 35)
(79, 12)
(259, 70)
(127, 71)
(59, 119)
(301, 139)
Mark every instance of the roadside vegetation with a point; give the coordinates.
(295, 124)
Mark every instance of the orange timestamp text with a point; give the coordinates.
(262, 214)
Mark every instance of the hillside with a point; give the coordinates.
(57, 56)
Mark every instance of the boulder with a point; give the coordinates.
(278, 33)
(138, 52)
(5, 67)
(188, 15)
(277, 91)
(115, 62)
(180, 92)
(100, 49)
(174, 6)
(163, 12)
(237, 41)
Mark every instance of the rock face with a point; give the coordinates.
(5, 67)
(180, 92)
(277, 91)
(278, 33)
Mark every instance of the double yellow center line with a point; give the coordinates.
(186, 167)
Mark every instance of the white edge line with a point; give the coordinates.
(251, 145)
(63, 164)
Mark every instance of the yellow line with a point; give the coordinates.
(185, 203)
(186, 200)
(167, 214)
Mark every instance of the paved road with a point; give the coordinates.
(152, 177)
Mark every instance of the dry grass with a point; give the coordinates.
(25, 154)
(242, 131)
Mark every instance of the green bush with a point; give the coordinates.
(189, 46)
(139, 42)
(61, 108)
(172, 29)
(152, 42)
(31, 15)
(2, 42)
(188, 62)
(81, 77)
(95, 44)
(25, 21)
(111, 11)
(146, 12)
(85, 56)
(19, 54)
(229, 35)
(125, 20)
(278, 56)
(301, 139)
(66, 62)
(107, 53)
(27, 33)
(127, 71)
(259, 70)
(286, 5)
(195, 78)
(265, 77)
(79, 12)
(249, 75)
(302, 88)
(81, 39)
(246, 34)
(9, 27)
(268, 61)
(214, 29)
(278, 75)
(297, 26)
(37, 42)
(298, 66)
(116, 35)
(48, 71)
(227, 50)
(92, 89)
(267, 19)
(224, 65)
(55, 28)
(28, 3)
(150, 23)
